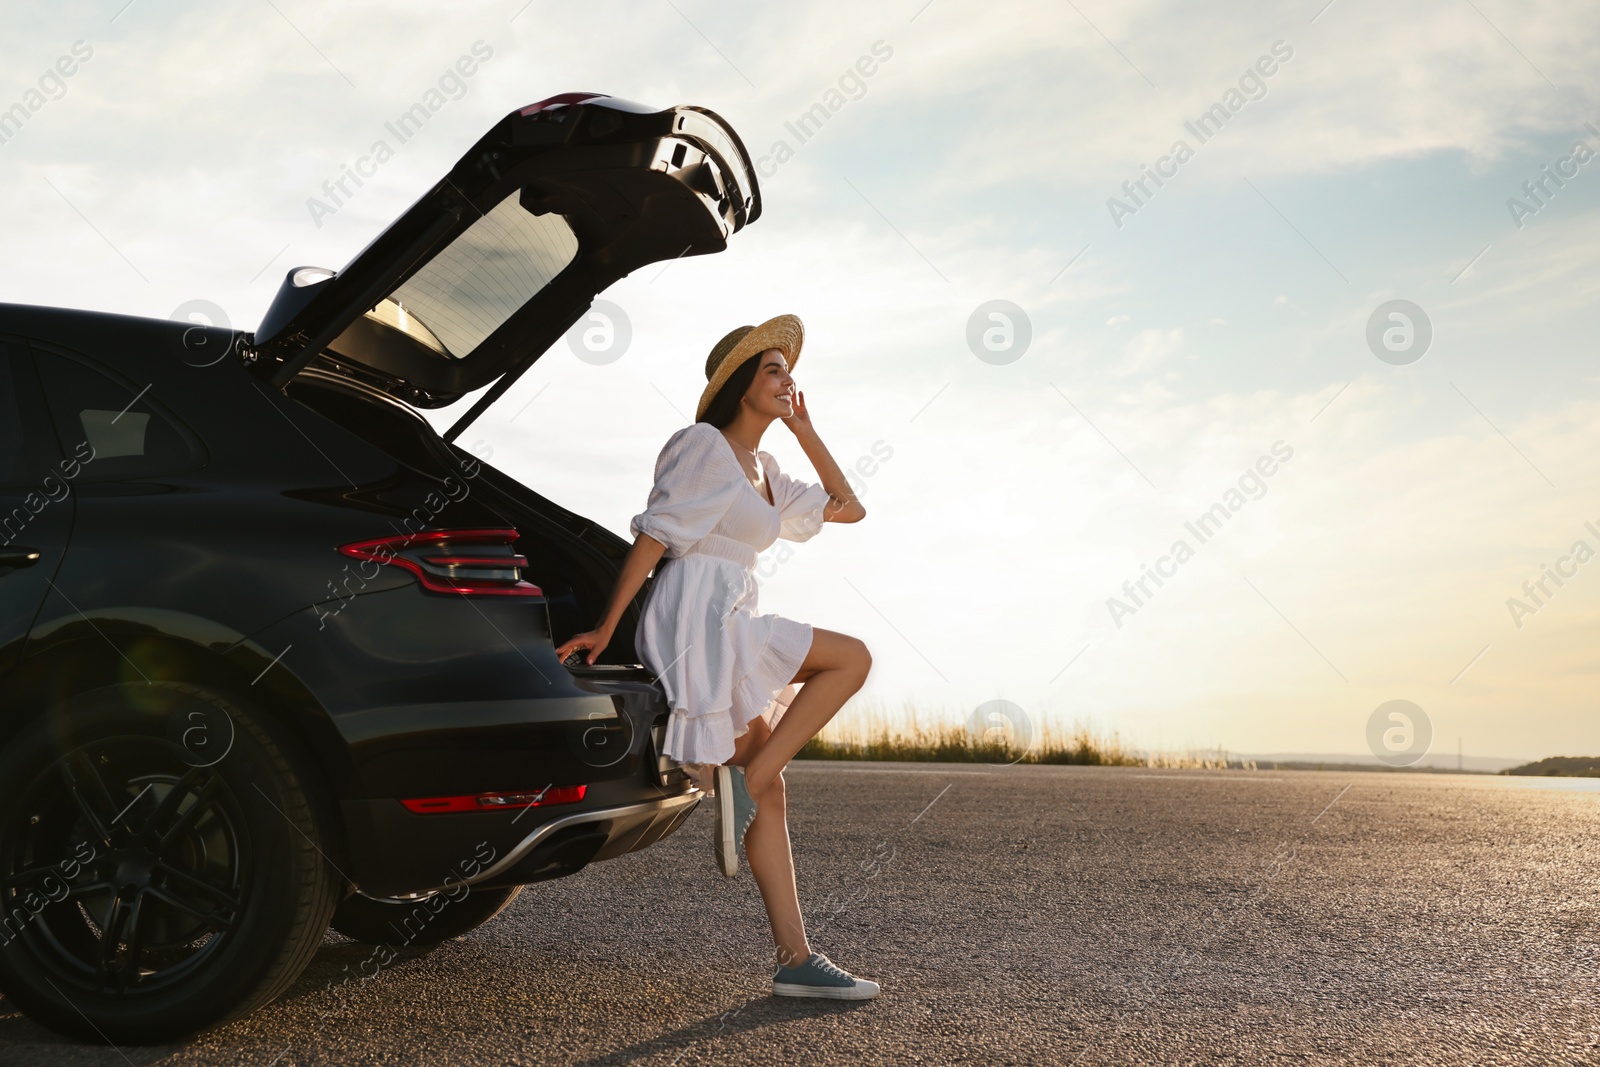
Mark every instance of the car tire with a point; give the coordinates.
(162, 865)
(421, 923)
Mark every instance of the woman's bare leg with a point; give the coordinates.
(834, 670)
(766, 847)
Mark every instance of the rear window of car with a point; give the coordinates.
(130, 437)
(464, 293)
(13, 464)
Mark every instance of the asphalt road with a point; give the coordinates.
(1013, 915)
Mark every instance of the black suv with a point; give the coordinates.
(276, 655)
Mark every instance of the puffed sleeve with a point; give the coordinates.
(691, 493)
(799, 503)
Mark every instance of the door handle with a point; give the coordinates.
(18, 556)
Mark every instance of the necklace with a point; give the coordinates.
(736, 443)
(763, 491)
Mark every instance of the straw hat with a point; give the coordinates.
(783, 332)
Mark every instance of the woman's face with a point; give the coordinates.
(771, 391)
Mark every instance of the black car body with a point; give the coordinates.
(252, 599)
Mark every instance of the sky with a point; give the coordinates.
(1385, 491)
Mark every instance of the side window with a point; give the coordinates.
(113, 427)
(13, 465)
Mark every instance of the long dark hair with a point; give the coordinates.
(724, 407)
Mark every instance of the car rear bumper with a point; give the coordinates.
(565, 844)
(403, 856)
(626, 829)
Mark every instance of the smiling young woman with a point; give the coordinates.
(717, 502)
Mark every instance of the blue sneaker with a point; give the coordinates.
(819, 976)
(735, 810)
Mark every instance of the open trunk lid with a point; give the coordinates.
(493, 264)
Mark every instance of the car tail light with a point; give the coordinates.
(471, 562)
(563, 794)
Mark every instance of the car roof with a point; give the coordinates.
(113, 338)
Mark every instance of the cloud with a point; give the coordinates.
(1147, 351)
(975, 167)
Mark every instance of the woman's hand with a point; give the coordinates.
(595, 640)
(833, 479)
(800, 421)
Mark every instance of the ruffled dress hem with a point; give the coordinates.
(708, 736)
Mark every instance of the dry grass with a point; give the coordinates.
(865, 731)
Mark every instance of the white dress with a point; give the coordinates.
(720, 662)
